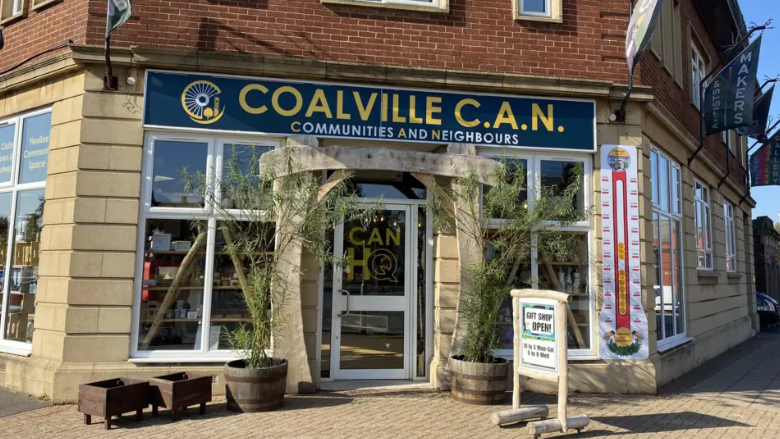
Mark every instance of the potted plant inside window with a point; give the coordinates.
(495, 237)
(260, 215)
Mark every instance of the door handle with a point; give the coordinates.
(345, 313)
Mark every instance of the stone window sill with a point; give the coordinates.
(539, 18)
(40, 4)
(665, 345)
(442, 8)
(707, 273)
(8, 20)
(733, 275)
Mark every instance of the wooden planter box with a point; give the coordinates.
(179, 391)
(113, 398)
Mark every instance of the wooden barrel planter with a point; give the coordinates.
(478, 383)
(255, 390)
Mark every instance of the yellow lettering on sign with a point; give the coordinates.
(295, 127)
(298, 100)
(395, 237)
(242, 99)
(396, 117)
(505, 115)
(355, 263)
(340, 114)
(413, 111)
(547, 120)
(364, 110)
(459, 117)
(352, 238)
(384, 107)
(401, 133)
(431, 108)
(435, 134)
(375, 237)
(319, 104)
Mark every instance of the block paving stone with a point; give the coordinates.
(736, 396)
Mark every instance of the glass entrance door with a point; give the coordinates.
(372, 292)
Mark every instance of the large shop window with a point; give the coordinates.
(24, 152)
(703, 224)
(667, 238)
(187, 287)
(731, 237)
(572, 274)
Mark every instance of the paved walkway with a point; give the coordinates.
(733, 397)
(14, 403)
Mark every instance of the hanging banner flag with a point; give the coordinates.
(640, 29)
(622, 321)
(728, 99)
(765, 163)
(119, 12)
(757, 129)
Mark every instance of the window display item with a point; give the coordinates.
(161, 241)
(182, 246)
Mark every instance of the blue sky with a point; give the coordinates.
(759, 11)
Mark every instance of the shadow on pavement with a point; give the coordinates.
(661, 422)
(15, 403)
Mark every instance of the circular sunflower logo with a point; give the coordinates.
(200, 101)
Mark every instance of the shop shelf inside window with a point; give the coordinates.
(174, 287)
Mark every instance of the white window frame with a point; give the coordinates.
(678, 256)
(698, 205)
(698, 72)
(424, 3)
(13, 346)
(731, 237)
(547, 8)
(215, 144)
(533, 177)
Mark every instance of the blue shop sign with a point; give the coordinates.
(284, 107)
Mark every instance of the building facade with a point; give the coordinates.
(105, 275)
(766, 239)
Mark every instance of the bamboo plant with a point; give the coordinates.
(506, 228)
(254, 205)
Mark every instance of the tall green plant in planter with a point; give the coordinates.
(261, 215)
(504, 229)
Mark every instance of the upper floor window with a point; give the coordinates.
(731, 237)
(728, 139)
(10, 9)
(667, 38)
(425, 5)
(698, 72)
(541, 10)
(703, 224)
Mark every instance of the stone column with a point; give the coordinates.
(83, 319)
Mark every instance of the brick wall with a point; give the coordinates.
(474, 35)
(677, 99)
(44, 28)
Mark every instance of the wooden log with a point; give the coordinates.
(171, 294)
(557, 286)
(517, 353)
(332, 182)
(563, 365)
(554, 425)
(516, 415)
(238, 263)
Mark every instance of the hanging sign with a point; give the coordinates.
(538, 334)
(728, 99)
(757, 129)
(765, 163)
(622, 322)
(349, 111)
(640, 30)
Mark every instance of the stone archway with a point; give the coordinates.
(459, 160)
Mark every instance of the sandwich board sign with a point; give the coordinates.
(539, 334)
